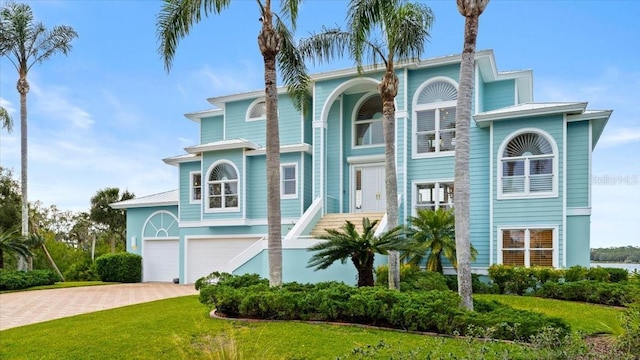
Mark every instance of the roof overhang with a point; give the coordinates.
(175, 160)
(598, 119)
(199, 115)
(222, 145)
(529, 110)
(295, 148)
(167, 198)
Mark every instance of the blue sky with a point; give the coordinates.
(106, 115)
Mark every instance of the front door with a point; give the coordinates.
(369, 192)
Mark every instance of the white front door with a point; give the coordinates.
(369, 190)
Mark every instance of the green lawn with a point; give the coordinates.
(61, 285)
(584, 318)
(180, 328)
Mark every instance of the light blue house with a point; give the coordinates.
(530, 173)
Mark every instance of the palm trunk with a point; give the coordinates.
(388, 91)
(268, 40)
(365, 271)
(23, 89)
(463, 149)
(53, 263)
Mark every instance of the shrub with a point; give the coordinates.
(617, 274)
(413, 278)
(120, 267)
(82, 271)
(15, 280)
(615, 294)
(575, 273)
(521, 281)
(543, 274)
(478, 286)
(598, 274)
(501, 275)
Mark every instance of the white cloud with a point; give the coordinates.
(620, 136)
(7, 105)
(54, 103)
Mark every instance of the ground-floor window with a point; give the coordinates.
(527, 247)
(434, 195)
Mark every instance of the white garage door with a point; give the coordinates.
(161, 260)
(205, 256)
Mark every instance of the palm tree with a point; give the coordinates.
(471, 10)
(404, 27)
(113, 220)
(359, 247)
(432, 233)
(6, 122)
(276, 44)
(12, 242)
(26, 43)
(37, 241)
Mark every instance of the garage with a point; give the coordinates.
(161, 259)
(206, 255)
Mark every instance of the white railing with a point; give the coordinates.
(306, 220)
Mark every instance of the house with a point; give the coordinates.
(530, 171)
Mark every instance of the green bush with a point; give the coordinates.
(617, 275)
(82, 271)
(478, 286)
(543, 274)
(15, 280)
(413, 278)
(120, 267)
(500, 275)
(435, 311)
(615, 294)
(575, 273)
(522, 279)
(598, 274)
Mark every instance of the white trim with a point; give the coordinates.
(499, 158)
(205, 194)
(564, 190)
(365, 159)
(233, 222)
(303, 167)
(579, 211)
(220, 101)
(354, 121)
(339, 90)
(305, 220)
(405, 154)
(401, 114)
(176, 160)
(414, 192)
(250, 109)
(191, 187)
(222, 145)
(527, 247)
(284, 149)
(242, 192)
(159, 212)
(590, 115)
(476, 93)
(282, 179)
(528, 110)
(491, 190)
(590, 164)
(341, 150)
(199, 115)
(352, 183)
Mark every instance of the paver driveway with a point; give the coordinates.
(29, 307)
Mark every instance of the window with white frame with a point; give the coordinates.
(434, 120)
(434, 195)
(289, 180)
(527, 166)
(223, 187)
(257, 110)
(196, 187)
(368, 122)
(527, 247)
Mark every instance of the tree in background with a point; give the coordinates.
(471, 10)
(113, 221)
(276, 44)
(26, 43)
(404, 27)
(6, 122)
(37, 241)
(9, 201)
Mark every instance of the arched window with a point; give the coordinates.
(368, 122)
(257, 110)
(434, 117)
(527, 165)
(223, 187)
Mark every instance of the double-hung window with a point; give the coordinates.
(527, 247)
(223, 187)
(196, 187)
(434, 120)
(434, 195)
(289, 179)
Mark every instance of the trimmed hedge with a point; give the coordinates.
(433, 311)
(592, 291)
(120, 267)
(15, 280)
(412, 278)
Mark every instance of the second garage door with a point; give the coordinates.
(205, 256)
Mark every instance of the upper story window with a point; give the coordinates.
(257, 110)
(527, 166)
(368, 122)
(434, 195)
(223, 187)
(195, 195)
(289, 179)
(434, 120)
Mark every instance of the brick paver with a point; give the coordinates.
(29, 307)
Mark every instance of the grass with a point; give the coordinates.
(62, 285)
(588, 319)
(180, 328)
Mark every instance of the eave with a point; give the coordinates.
(528, 110)
(222, 145)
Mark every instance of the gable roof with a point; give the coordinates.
(166, 198)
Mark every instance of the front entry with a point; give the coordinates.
(369, 192)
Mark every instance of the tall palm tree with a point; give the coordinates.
(276, 45)
(26, 43)
(12, 242)
(432, 234)
(37, 241)
(471, 10)
(348, 243)
(6, 122)
(404, 27)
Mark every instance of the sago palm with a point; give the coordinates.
(404, 29)
(275, 42)
(471, 10)
(12, 242)
(432, 236)
(360, 248)
(26, 43)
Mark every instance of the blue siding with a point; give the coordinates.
(256, 187)
(188, 211)
(211, 129)
(578, 240)
(136, 218)
(499, 94)
(578, 164)
(332, 153)
(290, 208)
(479, 194)
(308, 180)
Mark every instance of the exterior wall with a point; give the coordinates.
(307, 176)
(188, 211)
(256, 191)
(578, 164)
(211, 129)
(136, 219)
(499, 94)
(522, 212)
(479, 175)
(578, 240)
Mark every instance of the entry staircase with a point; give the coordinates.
(336, 220)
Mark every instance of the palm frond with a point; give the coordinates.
(408, 30)
(325, 46)
(12, 241)
(51, 42)
(6, 122)
(293, 68)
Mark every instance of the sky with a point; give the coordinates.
(106, 114)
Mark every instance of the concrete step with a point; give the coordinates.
(337, 220)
